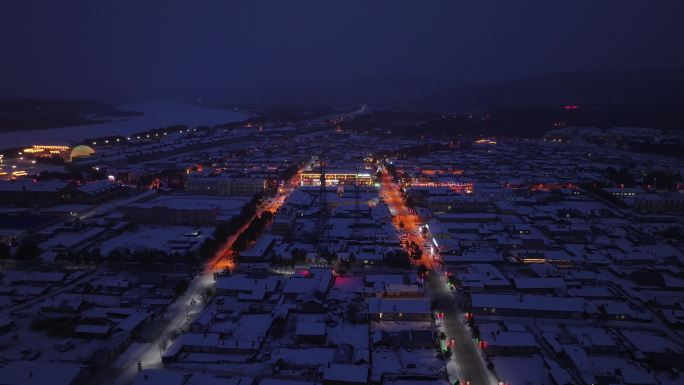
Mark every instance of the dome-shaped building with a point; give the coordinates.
(81, 151)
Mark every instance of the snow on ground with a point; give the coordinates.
(156, 115)
(228, 205)
(311, 356)
(165, 238)
(345, 287)
(134, 350)
(355, 335)
(394, 327)
(508, 370)
(37, 342)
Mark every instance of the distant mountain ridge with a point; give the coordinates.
(642, 87)
(619, 87)
(607, 87)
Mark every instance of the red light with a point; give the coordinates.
(570, 107)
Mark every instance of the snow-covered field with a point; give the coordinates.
(157, 115)
(155, 238)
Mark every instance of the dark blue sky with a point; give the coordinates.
(214, 49)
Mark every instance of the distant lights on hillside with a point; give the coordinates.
(485, 141)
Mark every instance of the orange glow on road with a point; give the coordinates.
(225, 256)
(392, 195)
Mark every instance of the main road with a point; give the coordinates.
(465, 355)
(183, 309)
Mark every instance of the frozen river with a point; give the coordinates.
(157, 115)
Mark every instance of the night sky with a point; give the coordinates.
(216, 49)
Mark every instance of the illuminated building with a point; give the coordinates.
(65, 152)
(448, 171)
(335, 177)
(41, 148)
(624, 192)
(81, 151)
(224, 185)
(461, 187)
(44, 151)
(485, 141)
